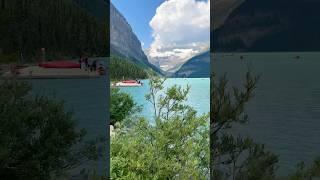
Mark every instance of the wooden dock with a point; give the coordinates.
(36, 72)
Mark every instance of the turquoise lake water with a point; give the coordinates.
(285, 111)
(198, 98)
(87, 98)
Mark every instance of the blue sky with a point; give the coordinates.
(171, 31)
(139, 13)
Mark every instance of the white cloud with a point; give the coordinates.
(181, 29)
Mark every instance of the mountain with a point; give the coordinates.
(270, 25)
(222, 9)
(196, 67)
(123, 41)
(124, 69)
(169, 63)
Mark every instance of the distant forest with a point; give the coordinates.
(122, 68)
(61, 26)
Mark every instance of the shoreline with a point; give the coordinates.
(33, 71)
(52, 77)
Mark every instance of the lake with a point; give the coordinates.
(198, 97)
(87, 99)
(285, 111)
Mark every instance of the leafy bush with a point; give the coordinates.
(38, 138)
(122, 106)
(235, 157)
(175, 147)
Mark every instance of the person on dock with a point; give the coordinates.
(90, 67)
(80, 62)
(94, 65)
(86, 61)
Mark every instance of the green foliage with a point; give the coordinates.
(99, 8)
(122, 68)
(303, 172)
(175, 147)
(38, 139)
(122, 106)
(60, 26)
(9, 58)
(235, 157)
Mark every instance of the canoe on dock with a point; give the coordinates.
(129, 83)
(60, 64)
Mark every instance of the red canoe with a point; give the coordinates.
(129, 81)
(60, 64)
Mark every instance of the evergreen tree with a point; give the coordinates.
(60, 26)
(122, 68)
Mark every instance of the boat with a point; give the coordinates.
(60, 64)
(129, 83)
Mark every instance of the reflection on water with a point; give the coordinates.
(87, 99)
(285, 112)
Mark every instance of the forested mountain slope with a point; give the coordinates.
(270, 25)
(124, 43)
(60, 26)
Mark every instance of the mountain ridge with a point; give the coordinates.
(196, 67)
(124, 42)
(270, 25)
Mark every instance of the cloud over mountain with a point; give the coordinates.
(181, 29)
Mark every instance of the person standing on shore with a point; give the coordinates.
(86, 62)
(90, 67)
(80, 62)
(94, 65)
